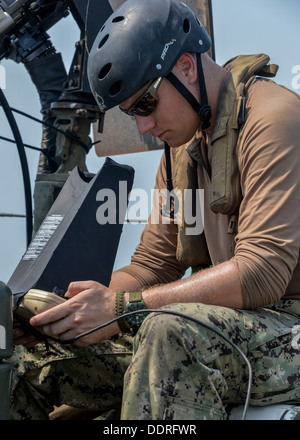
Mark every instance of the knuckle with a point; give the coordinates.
(78, 320)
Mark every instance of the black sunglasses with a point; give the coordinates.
(146, 103)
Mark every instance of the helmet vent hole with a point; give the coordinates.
(103, 41)
(116, 88)
(118, 18)
(104, 71)
(186, 26)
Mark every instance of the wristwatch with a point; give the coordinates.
(130, 323)
(135, 303)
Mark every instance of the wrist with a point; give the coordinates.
(127, 302)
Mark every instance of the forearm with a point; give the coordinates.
(91, 303)
(219, 285)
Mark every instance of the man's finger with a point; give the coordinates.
(76, 287)
(54, 314)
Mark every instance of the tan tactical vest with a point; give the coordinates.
(225, 194)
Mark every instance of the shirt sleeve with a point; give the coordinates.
(268, 238)
(154, 260)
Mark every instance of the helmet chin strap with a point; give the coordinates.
(204, 112)
(168, 209)
(203, 109)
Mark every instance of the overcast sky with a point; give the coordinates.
(240, 27)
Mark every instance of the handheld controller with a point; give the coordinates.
(36, 301)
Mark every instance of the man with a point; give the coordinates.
(236, 136)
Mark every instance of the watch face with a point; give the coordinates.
(136, 319)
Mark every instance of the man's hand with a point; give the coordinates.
(21, 337)
(90, 305)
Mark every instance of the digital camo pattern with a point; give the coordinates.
(83, 377)
(180, 370)
(188, 372)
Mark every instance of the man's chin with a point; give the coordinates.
(174, 144)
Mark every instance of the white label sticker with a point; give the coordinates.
(45, 232)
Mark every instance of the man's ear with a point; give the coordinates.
(186, 67)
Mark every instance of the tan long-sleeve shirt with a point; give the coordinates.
(266, 245)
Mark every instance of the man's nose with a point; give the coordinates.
(144, 124)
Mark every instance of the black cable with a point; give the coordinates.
(65, 133)
(24, 164)
(190, 318)
(25, 145)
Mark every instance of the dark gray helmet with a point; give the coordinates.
(141, 40)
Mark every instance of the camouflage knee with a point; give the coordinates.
(181, 369)
(182, 360)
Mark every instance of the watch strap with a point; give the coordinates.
(135, 303)
(119, 311)
(135, 297)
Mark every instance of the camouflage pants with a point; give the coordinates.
(178, 369)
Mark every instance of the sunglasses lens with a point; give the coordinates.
(147, 103)
(144, 106)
